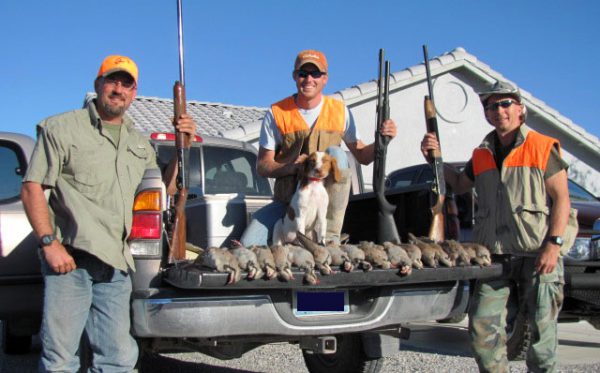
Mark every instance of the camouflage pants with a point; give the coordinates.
(540, 296)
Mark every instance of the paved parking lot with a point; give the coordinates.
(432, 347)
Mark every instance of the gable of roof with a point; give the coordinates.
(154, 114)
(459, 59)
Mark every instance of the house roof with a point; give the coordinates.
(460, 59)
(154, 114)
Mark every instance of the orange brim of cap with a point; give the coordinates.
(112, 64)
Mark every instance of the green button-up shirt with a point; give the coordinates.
(93, 181)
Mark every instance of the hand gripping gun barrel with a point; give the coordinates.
(436, 230)
(386, 230)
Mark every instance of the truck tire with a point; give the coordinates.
(518, 337)
(13, 344)
(349, 357)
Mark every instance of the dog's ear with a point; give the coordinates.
(303, 172)
(306, 167)
(335, 171)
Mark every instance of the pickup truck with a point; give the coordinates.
(348, 322)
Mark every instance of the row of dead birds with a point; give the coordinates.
(278, 261)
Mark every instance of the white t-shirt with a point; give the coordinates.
(270, 136)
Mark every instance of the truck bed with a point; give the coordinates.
(192, 276)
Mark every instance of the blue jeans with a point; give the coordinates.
(94, 297)
(260, 229)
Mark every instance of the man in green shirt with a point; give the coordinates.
(92, 161)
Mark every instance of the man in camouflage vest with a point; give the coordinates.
(296, 126)
(524, 218)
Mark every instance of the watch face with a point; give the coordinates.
(556, 240)
(47, 239)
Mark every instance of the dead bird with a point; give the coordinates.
(456, 252)
(221, 260)
(320, 253)
(432, 254)
(247, 260)
(265, 260)
(398, 258)
(303, 259)
(414, 253)
(282, 262)
(375, 254)
(339, 257)
(478, 254)
(357, 256)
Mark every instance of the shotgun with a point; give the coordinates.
(438, 187)
(386, 228)
(182, 145)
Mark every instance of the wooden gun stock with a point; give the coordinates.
(436, 230)
(182, 144)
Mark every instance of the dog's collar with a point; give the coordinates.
(314, 179)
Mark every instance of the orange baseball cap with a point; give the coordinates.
(113, 64)
(311, 56)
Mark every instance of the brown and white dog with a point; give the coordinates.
(307, 211)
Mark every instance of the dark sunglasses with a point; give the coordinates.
(315, 74)
(125, 81)
(503, 104)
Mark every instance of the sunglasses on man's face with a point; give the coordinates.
(315, 74)
(503, 104)
(124, 80)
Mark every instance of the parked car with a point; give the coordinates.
(582, 262)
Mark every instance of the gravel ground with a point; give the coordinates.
(286, 358)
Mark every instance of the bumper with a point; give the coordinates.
(582, 275)
(271, 314)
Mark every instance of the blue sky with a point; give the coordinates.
(241, 51)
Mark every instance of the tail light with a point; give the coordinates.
(161, 136)
(146, 227)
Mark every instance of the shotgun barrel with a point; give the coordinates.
(436, 230)
(182, 145)
(387, 230)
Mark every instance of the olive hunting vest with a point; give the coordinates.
(513, 213)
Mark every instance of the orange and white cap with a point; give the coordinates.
(311, 56)
(112, 64)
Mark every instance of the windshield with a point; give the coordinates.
(226, 170)
(577, 193)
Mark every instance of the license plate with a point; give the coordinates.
(318, 303)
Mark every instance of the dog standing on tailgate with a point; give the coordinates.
(308, 208)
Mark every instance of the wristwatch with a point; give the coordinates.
(557, 240)
(46, 240)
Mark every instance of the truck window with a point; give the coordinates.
(12, 169)
(228, 170)
(164, 154)
(403, 179)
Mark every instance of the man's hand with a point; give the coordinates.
(429, 142)
(547, 258)
(59, 260)
(298, 164)
(186, 124)
(389, 128)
